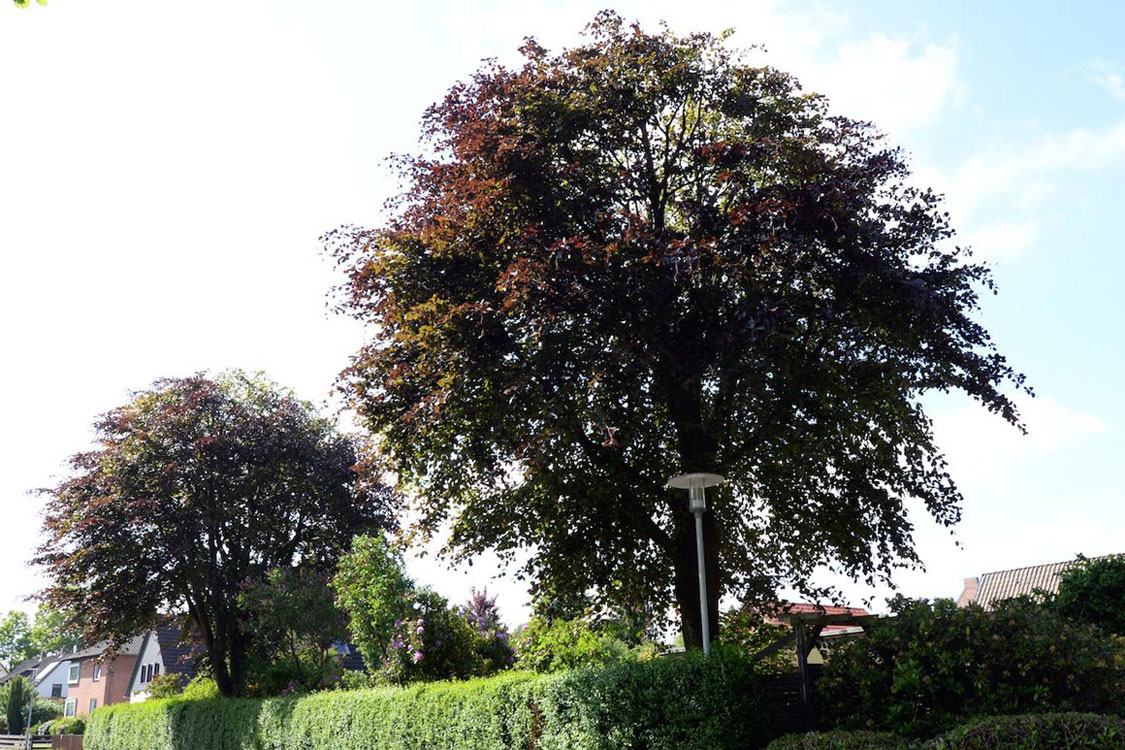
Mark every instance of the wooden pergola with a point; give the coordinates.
(806, 629)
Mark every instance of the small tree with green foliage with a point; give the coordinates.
(372, 588)
(296, 624)
(19, 693)
(15, 639)
(1093, 591)
(408, 633)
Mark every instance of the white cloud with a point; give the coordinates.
(898, 85)
(1001, 240)
(1109, 77)
(979, 444)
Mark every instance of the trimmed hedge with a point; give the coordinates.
(1072, 731)
(676, 703)
(841, 740)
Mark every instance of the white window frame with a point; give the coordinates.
(73, 673)
(70, 708)
(97, 672)
(93, 705)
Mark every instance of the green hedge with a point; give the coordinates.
(1072, 731)
(1058, 731)
(841, 740)
(678, 703)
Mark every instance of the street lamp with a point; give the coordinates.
(696, 485)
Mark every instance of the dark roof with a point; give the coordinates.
(29, 668)
(179, 653)
(131, 647)
(1005, 584)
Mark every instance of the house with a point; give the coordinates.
(99, 676)
(48, 673)
(164, 651)
(990, 588)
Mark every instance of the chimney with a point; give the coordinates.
(969, 594)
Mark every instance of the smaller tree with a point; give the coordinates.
(408, 633)
(51, 631)
(294, 619)
(19, 693)
(1093, 591)
(372, 588)
(15, 639)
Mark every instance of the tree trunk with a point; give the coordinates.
(697, 451)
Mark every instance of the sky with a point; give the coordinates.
(166, 170)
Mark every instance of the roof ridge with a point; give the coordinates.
(1043, 565)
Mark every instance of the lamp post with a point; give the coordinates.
(696, 485)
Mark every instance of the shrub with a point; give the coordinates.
(841, 740)
(933, 666)
(550, 646)
(71, 725)
(45, 710)
(166, 685)
(201, 688)
(666, 704)
(1036, 732)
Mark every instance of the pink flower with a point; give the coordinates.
(417, 656)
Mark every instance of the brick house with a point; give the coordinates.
(97, 678)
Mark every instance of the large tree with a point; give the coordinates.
(197, 486)
(641, 257)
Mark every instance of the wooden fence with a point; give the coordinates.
(38, 742)
(42, 742)
(787, 713)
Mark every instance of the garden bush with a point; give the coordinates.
(70, 725)
(682, 703)
(841, 740)
(934, 665)
(554, 645)
(1064, 731)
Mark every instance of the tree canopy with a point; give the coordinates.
(197, 486)
(24, 638)
(641, 257)
(1093, 591)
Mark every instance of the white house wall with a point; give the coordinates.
(150, 654)
(50, 676)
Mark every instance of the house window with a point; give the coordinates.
(70, 708)
(144, 673)
(72, 676)
(93, 704)
(155, 669)
(56, 690)
(97, 672)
